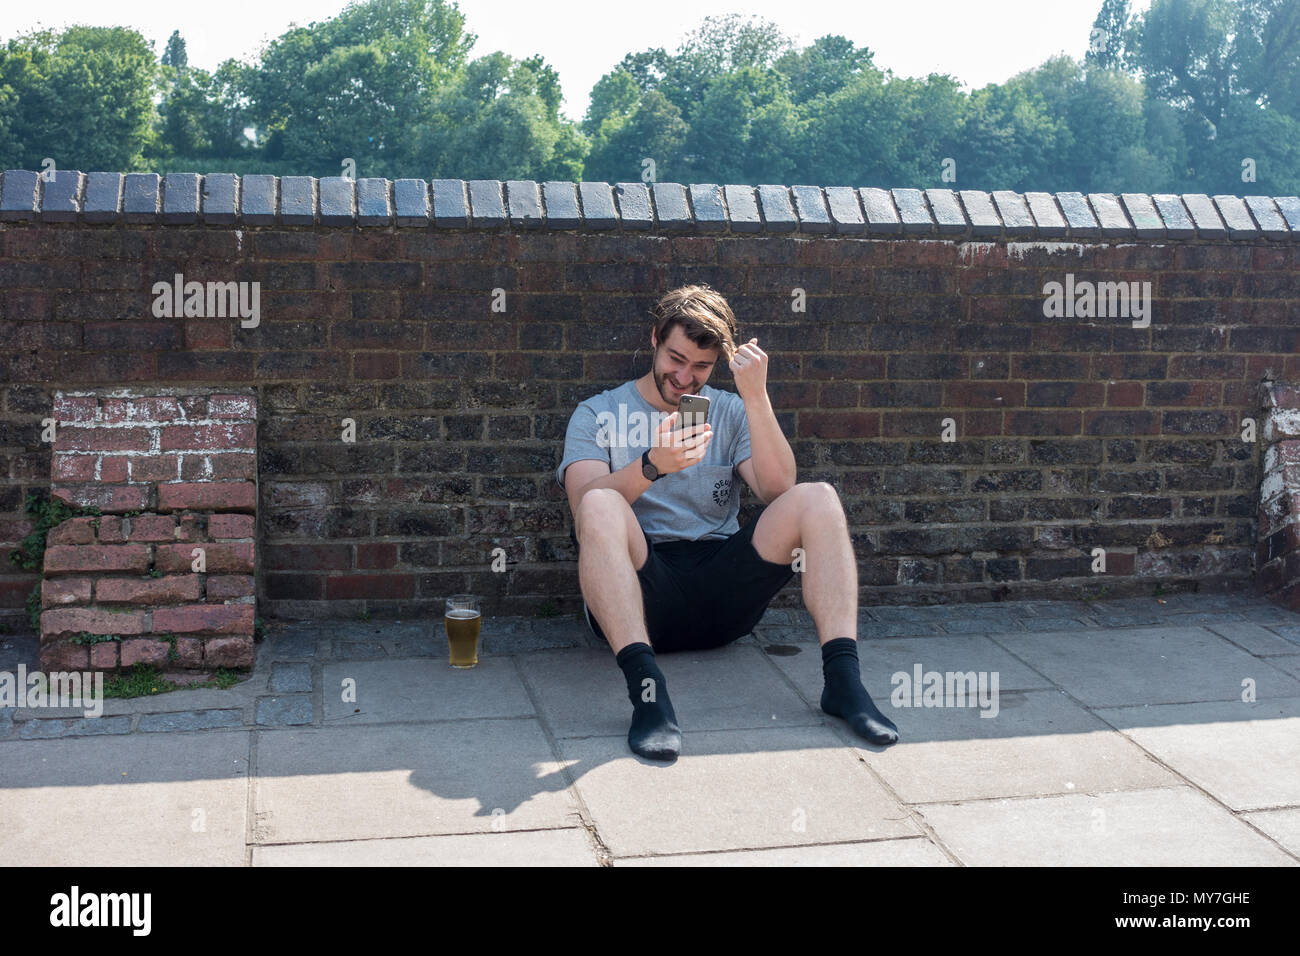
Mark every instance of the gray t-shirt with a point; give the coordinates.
(700, 502)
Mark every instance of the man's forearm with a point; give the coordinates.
(774, 466)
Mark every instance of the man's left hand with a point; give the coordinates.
(749, 368)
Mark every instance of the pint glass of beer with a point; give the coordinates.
(462, 621)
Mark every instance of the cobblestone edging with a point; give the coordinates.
(285, 689)
(264, 200)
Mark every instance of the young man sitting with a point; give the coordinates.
(662, 562)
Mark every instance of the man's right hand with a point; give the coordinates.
(675, 450)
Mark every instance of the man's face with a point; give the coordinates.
(680, 366)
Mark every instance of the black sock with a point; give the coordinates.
(654, 733)
(844, 696)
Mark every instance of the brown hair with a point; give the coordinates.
(703, 315)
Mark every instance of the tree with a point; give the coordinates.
(82, 97)
(824, 67)
(1267, 44)
(1231, 72)
(175, 56)
(358, 85)
(655, 130)
(723, 145)
(1109, 40)
(498, 119)
(1008, 139)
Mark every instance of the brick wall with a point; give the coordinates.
(379, 305)
(165, 574)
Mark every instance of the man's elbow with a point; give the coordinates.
(769, 495)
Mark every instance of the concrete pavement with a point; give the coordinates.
(1124, 732)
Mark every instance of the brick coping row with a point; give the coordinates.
(265, 200)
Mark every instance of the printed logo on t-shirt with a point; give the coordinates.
(722, 492)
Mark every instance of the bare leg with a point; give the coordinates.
(810, 516)
(612, 550)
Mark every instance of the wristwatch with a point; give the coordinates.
(647, 467)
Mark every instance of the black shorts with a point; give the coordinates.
(702, 594)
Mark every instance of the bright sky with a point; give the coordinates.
(980, 42)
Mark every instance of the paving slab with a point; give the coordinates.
(237, 695)
(355, 783)
(289, 677)
(1282, 825)
(139, 800)
(1190, 618)
(1290, 632)
(570, 847)
(1255, 639)
(285, 710)
(733, 790)
(1073, 609)
(422, 690)
(1173, 826)
(76, 727)
(880, 660)
(1040, 742)
(191, 720)
(582, 693)
(1113, 667)
(290, 642)
(1057, 623)
(917, 851)
(1245, 754)
(1288, 662)
(1270, 615)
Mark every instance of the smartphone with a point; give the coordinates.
(692, 410)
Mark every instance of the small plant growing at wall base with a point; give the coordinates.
(47, 512)
(85, 637)
(145, 680)
(142, 680)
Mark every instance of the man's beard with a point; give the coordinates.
(665, 384)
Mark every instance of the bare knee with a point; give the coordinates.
(819, 500)
(600, 511)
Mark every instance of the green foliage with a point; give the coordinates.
(221, 680)
(143, 680)
(83, 97)
(1109, 46)
(47, 512)
(175, 55)
(202, 119)
(85, 637)
(34, 603)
